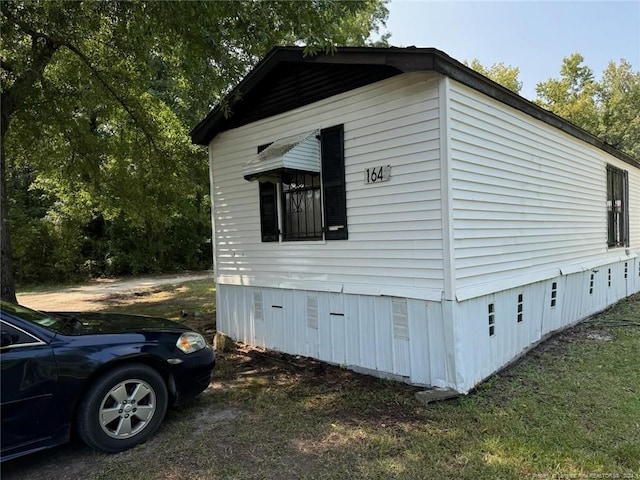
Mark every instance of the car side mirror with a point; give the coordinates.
(7, 339)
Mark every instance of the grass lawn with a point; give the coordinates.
(569, 409)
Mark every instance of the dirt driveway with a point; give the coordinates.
(91, 296)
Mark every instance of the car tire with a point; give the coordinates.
(122, 408)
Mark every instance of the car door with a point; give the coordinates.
(29, 381)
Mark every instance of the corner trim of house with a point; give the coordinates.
(446, 194)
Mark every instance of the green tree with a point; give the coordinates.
(505, 75)
(609, 108)
(98, 98)
(573, 95)
(618, 98)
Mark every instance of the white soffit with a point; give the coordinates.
(298, 152)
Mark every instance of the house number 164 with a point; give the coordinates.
(377, 174)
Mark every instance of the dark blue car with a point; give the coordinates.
(109, 377)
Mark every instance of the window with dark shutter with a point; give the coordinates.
(333, 183)
(617, 207)
(303, 202)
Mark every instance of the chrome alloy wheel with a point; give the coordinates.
(127, 408)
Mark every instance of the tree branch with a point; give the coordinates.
(114, 93)
(41, 60)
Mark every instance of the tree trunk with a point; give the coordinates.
(11, 100)
(7, 285)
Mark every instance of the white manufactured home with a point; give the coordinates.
(392, 211)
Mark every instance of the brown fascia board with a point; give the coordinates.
(410, 59)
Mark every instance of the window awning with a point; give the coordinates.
(299, 152)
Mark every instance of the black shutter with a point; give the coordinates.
(268, 212)
(333, 183)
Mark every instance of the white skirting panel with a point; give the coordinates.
(384, 336)
(523, 316)
(449, 344)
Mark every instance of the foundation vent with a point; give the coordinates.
(400, 319)
(258, 311)
(312, 311)
(492, 319)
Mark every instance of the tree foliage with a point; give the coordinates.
(619, 107)
(505, 75)
(573, 95)
(97, 102)
(609, 108)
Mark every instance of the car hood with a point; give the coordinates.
(89, 323)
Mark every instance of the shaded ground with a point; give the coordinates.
(569, 409)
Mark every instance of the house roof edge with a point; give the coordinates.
(405, 59)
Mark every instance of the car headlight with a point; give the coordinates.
(190, 342)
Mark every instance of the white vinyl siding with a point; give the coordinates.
(528, 199)
(395, 240)
(524, 209)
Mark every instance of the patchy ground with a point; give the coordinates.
(101, 293)
(569, 409)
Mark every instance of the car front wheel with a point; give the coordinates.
(122, 408)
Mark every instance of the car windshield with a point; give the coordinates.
(51, 322)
